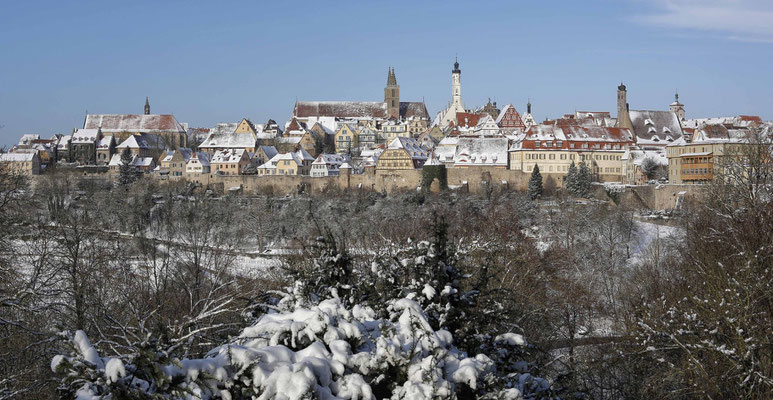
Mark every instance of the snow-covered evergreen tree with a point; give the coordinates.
(583, 181)
(571, 179)
(535, 184)
(127, 173)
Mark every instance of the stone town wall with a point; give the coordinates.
(473, 180)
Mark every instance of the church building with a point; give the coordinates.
(124, 125)
(414, 113)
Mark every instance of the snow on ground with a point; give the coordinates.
(646, 233)
(254, 266)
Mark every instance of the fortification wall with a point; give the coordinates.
(472, 180)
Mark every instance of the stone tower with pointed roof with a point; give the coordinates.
(677, 107)
(392, 95)
(147, 106)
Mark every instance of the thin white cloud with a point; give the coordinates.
(743, 20)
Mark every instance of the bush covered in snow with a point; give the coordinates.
(333, 334)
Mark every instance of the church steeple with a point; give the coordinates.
(392, 95)
(391, 78)
(147, 106)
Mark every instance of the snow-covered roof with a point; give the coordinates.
(448, 141)
(655, 126)
(63, 142)
(200, 157)
(340, 109)
(481, 152)
(572, 132)
(136, 161)
(150, 123)
(142, 141)
(28, 138)
(229, 156)
(324, 158)
(412, 146)
(304, 155)
(86, 135)
(638, 156)
(717, 133)
(224, 137)
(104, 143)
(17, 156)
(185, 152)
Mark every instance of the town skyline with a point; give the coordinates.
(504, 61)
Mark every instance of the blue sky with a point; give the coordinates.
(209, 62)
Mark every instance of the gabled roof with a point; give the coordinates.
(104, 143)
(136, 161)
(510, 118)
(231, 156)
(655, 126)
(142, 141)
(18, 156)
(303, 155)
(413, 110)
(465, 119)
(201, 157)
(550, 132)
(28, 138)
(410, 145)
(151, 123)
(84, 135)
(340, 109)
(185, 152)
(224, 137)
(64, 142)
(333, 161)
(481, 152)
(270, 151)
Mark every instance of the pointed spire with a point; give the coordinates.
(528, 106)
(391, 78)
(676, 96)
(147, 106)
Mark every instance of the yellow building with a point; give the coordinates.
(27, 163)
(246, 126)
(698, 161)
(345, 138)
(174, 163)
(391, 130)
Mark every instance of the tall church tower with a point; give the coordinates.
(147, 106)
(677, 107)
(456, 83)
(392, 95)
(623, 119)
